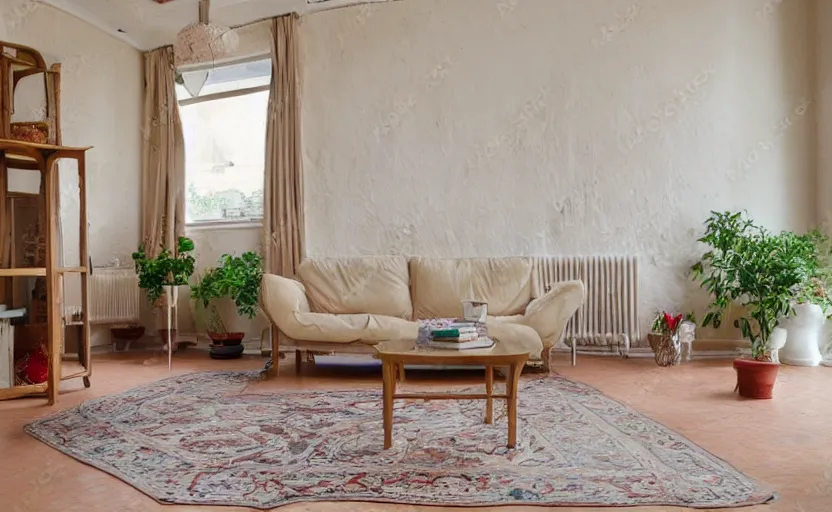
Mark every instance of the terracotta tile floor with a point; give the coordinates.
(786, 442)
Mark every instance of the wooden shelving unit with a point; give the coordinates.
(36, 280)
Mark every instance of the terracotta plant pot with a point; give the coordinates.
(227, 338)
(755, 379)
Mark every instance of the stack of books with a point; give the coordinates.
(461, 335)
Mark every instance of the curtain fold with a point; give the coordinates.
(283, 219)
(163, 155)
(283, 222)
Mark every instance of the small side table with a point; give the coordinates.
(395, 354)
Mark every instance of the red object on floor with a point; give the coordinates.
(34, 368)
(755, 379)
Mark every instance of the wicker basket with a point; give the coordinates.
(667, 349)
(37, 132)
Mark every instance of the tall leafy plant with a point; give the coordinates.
(816, 289)
(166, 269)
(235, 277)
(761, 270)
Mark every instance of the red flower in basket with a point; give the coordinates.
(672, 322)
(667, 323)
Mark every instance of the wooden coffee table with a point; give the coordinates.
(395, 354)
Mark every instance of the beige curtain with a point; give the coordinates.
(283, 221)
(163, 155)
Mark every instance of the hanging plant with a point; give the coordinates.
(166, 269)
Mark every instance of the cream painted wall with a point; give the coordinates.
(102, 99)
(823, 86)
(823, 91)
(576, 127)
(539, 127)
(101, 107)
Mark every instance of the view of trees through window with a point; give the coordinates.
(225, 142)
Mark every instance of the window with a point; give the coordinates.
(223, 112)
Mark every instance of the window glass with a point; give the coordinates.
(225, 145)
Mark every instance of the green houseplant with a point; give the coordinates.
(812, 304)
(165, 269)
(816, 288)
(234, 277)
(761, 271)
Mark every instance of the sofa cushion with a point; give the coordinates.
(375, 285)
(369, 329)
(438, 286)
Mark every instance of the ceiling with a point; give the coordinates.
(148, 24)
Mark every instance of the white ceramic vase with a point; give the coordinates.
(804, 328)
(775, 342)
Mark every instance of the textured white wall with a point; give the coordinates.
(101, 106)
(823, 86)
(823, 91)
(529, 127)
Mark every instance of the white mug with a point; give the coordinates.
(474, 311)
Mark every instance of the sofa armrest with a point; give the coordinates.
(549, 313)
(281, 298)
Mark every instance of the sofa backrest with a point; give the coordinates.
(438, 286)
(378, 285)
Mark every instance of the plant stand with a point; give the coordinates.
(172, 315)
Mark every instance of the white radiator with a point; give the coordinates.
(115, 296)
(609, 315)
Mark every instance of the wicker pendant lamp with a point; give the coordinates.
(203, 42)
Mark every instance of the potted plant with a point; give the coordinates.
(165, 269)
(812, 305)
(237, 278)
(762, 271)
(664, 337)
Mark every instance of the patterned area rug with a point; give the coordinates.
(190, 440)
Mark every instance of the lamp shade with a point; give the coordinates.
(200, 43)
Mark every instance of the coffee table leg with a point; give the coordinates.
(489, 387)
(511, 388)
(389, 384)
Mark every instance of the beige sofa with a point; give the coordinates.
(350, 304)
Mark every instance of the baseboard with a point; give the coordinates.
(705, 348)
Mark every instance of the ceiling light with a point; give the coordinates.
(203, 41)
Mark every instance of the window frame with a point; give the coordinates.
(219, 224)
